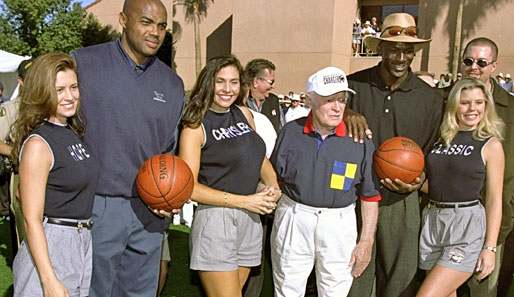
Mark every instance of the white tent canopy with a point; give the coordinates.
(8, 71)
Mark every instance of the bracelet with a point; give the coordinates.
(490, 248)
(225, 197)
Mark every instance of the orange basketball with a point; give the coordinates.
(399, 158)
(165, 182)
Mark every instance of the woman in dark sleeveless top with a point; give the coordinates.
(458, 235)
(58, 178)
(226, 155)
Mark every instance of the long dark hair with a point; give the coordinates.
(38, 98)
(202, 95)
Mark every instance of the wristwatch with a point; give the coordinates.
(490, 248)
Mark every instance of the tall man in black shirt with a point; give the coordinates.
(395, 103)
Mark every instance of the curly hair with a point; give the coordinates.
(490, 125)
(38, 98)
(202, 95)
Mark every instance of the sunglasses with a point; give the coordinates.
(480, 62)
(271, 82)
(398, 30)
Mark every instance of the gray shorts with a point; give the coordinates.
(70, 251)
(224, 238)
(452, 237)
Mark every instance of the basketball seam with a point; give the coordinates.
(403, 150)
(183, 188)
(397, 165)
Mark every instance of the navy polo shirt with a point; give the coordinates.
(331, 173)
(139, 69)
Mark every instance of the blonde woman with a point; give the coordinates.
(459, 227)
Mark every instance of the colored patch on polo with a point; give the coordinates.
(343, 174)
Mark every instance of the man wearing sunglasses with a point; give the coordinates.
(261, 77)
(395, 103)
(480, 61)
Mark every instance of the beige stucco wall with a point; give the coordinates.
(108, 11)
(218, 12)
(480, 19)
(303, 36)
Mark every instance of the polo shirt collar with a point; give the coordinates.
(308, 127)
(407, 85)
(131, 62)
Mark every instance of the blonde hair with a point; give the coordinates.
(490, 126)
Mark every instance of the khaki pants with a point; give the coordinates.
(16, 208)
(489, 286)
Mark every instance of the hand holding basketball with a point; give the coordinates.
(399, 158)
(165, 182)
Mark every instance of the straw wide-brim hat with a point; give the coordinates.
(396, 19)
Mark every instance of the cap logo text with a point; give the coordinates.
(333, 79)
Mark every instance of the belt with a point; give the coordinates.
(79, 225)
(452, 204)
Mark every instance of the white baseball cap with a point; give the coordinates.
(328, 81)
(296, 97)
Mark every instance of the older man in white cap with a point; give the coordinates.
(322, 173)
(396, 103)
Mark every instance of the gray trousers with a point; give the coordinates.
(126, 256)
(489, 286)
(394, 260)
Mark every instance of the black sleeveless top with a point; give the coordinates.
(232, 154)
(456, 173)
(73, 176)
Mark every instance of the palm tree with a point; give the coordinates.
(196, 10)
(458, 36)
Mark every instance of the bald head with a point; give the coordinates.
(144, 25)
(131, 5)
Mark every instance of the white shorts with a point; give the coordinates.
(304, 236)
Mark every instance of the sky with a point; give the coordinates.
(86, 2)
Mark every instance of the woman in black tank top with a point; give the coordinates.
(226, 156)
(58, 179)
(458, 238)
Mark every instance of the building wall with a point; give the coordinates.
(218, 13)
(480, 19)
(301, 37)
(108, 12)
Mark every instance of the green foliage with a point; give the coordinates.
(35, 27)
(94, 33)
(32, 27)
(166, 50)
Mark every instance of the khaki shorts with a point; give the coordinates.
(452, 237)
(224, 238)
(165, 253)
